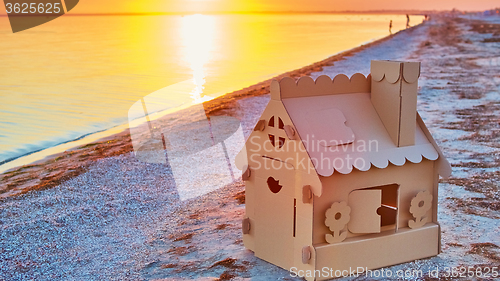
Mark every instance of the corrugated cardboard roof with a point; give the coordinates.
(372, 144)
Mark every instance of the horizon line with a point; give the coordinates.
(411, 12)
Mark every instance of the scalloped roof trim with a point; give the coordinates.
(324, 85)
(397, 157)
(392, 71)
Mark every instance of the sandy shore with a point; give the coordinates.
(108, 216)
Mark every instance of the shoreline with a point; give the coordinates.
(124, 219)
(39, 170)
(373, 12)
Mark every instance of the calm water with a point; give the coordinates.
(78, 75)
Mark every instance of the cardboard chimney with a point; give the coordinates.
(394, 97)
(342, 173)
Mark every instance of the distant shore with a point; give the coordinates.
(374, 12)
(59, 167)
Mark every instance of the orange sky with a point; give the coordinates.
(127, 6)
(88, 6)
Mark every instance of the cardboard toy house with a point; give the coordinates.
(343, 174)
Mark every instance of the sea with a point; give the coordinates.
(77, 76)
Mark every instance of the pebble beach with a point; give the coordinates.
(98, 213)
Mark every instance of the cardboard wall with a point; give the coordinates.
(379, 250)
(281, 223)
(292, 152)
(411, 177)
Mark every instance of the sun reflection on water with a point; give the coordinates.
(198, 34)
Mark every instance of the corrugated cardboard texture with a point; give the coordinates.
(364, 205)
(394, 96)
(324, 85)
(372, 145)
(273, 219)
(379, 250)
(443, 166)
(292, 151)
(309, 130)
(329, 127)
(411, 179)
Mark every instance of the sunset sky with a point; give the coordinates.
(128, 6)
(279, 5)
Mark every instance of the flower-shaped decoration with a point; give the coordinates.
(337, 216)
(419, 206)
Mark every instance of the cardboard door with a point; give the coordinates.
(274, 212)
(364, 205)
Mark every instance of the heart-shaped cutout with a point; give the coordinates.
(274, 185)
